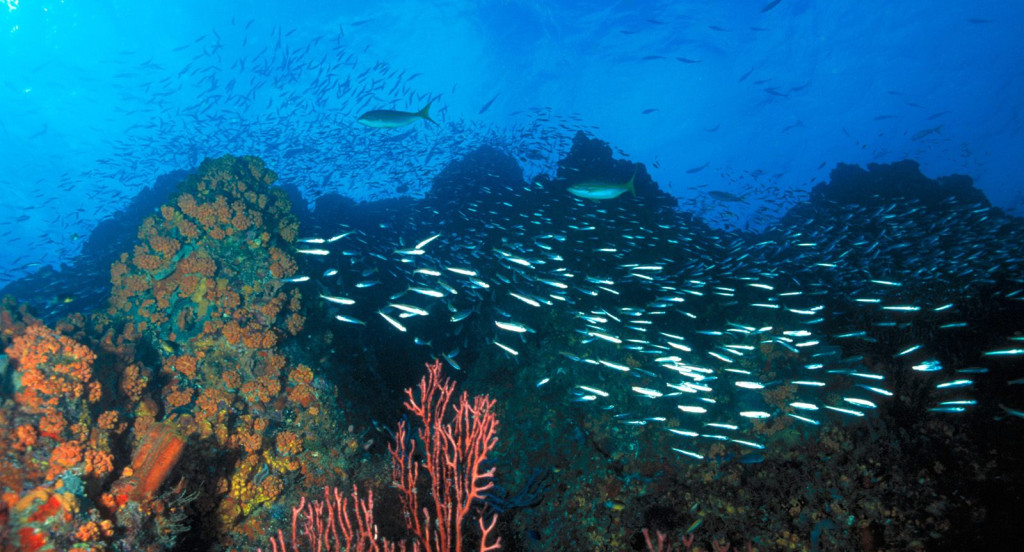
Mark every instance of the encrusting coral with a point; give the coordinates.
(181, 399)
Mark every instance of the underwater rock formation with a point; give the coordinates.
(592, 159)
(188, 386)
(215, 364)
(208, 287)
(83, 284)
(880, 184)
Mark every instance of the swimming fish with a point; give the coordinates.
(724, 196)
(599, 189)
(386, 118)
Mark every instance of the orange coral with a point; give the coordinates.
(249, 441)
(288, 230)
(53, 368)
(214, 217)
(301, 374)
(184, 364)
(144, 260)
(231, 331)
(166, 246)
(81, 430)
(210, 399)
(95, 391)
(88, 531)
(98, 463)
(270, 488)
(252, 336)
(220, 244)
(198, 263)
(271, 308)
(108, 420)
(25, 436)
(302, 394)
(108, 502)
(64, 456)
(229, 300)
(136, 284)
(241, 219)
(188, 229)
(282, 265)
(295, 300)
(287, 443)
(168, 212)
(176, 397)
(295, 323)
(119, 270)
(231, 379)
(262, 389)
(210, 412)
(52, 425)
(133, 382)
(274, 364)
(94, 531)
(187, 204)
(213, 327)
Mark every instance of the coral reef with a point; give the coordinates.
(57, 448)
(207, 397)
(185, 389)
(205, 287)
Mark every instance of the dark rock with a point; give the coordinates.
(882, 184)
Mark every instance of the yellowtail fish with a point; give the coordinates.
(598, 189)
(727, 197)
(386, 118)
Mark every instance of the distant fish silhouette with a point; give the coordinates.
(488, 104)
(726, 196)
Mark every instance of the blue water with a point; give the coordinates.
(101, 97)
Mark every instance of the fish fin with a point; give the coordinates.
(631, 179)
(425, 113)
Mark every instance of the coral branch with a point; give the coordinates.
(453, 460)
(456, 443)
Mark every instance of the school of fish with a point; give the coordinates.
(675, 326)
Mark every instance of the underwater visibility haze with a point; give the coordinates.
(515, 275)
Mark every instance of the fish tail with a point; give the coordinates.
(630, 184)
(425, 113)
